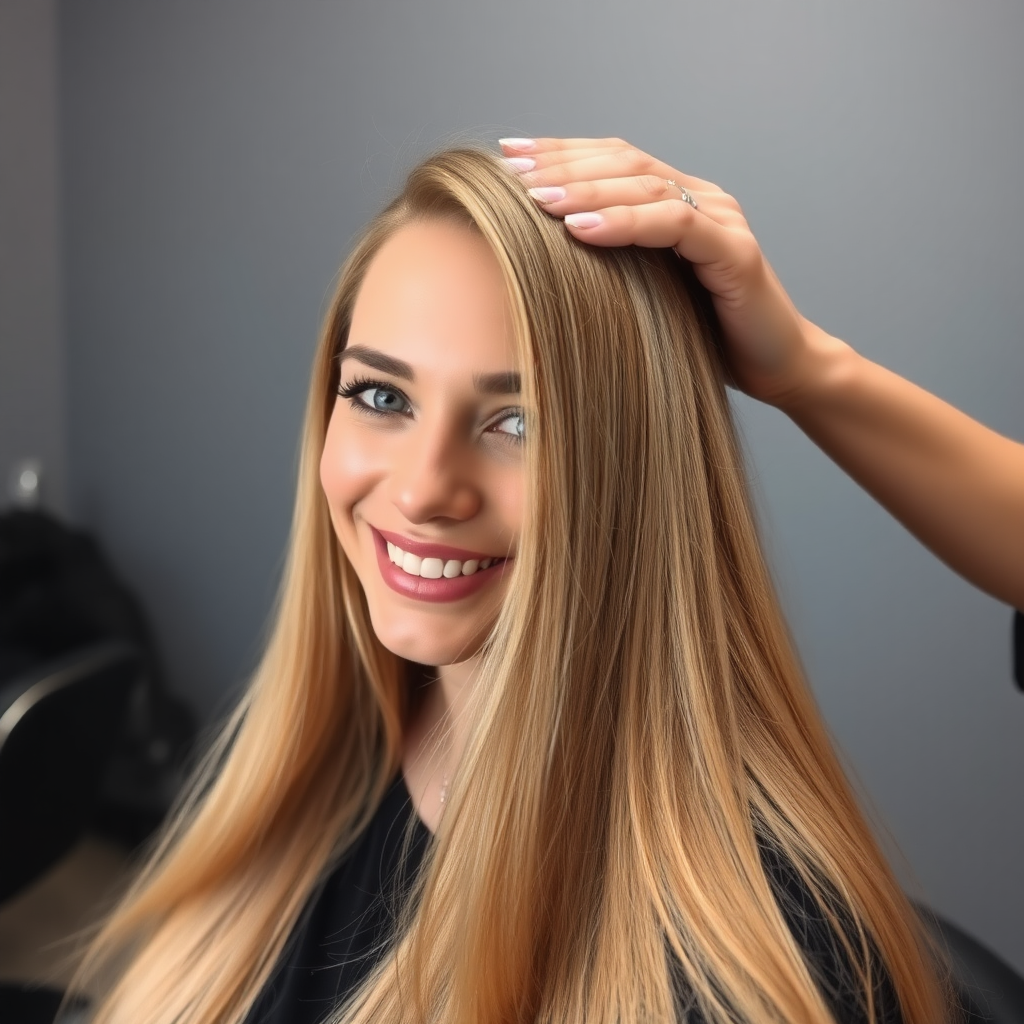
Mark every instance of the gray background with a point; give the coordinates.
(215, 160)
(33, 419)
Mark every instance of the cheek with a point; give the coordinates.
(507, 491)
(350, 467)
(513, 502)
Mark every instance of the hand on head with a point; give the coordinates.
(951, 481)
(610, 193)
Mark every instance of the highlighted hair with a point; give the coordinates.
(641, 733)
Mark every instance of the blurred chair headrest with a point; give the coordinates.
(58, 725)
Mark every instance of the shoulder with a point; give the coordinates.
(823, 949)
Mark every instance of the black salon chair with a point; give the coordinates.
(58, 725)
(992, 992)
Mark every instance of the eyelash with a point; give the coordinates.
(355, 387)
(358, 385)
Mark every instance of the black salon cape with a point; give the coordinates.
(351, 915)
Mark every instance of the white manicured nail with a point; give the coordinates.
(521, 163)
(548, 193)
(584, 220)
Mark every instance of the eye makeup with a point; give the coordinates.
(355, 389)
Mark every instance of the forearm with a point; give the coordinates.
(955, 484)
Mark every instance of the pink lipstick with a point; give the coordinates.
(422, 588)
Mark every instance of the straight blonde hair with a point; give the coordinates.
(641, 731)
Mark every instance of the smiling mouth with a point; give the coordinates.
(436, 568)
(434, 572)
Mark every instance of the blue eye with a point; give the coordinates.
(513, 424)
(382, 400)
(375, 397)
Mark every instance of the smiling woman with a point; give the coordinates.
(529, 742)
(425, 456)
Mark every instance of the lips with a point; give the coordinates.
(427, 549)
(434, 590)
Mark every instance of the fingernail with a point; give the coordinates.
(519, 144)
(584, 220)
(521, 163)
(550, 194)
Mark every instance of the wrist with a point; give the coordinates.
(826, 368)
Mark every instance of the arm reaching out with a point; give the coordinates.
(955, 484)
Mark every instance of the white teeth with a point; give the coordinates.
(435, 568)
(431, 568)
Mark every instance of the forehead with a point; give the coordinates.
(434, 296)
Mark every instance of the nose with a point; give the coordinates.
(433, 477)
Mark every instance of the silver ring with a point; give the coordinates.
(685, 196)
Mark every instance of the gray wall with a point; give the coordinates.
(31, 349)
(220, 156)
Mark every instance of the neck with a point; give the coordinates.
(436, 737)
(453, 690)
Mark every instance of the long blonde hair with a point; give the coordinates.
(641, 734)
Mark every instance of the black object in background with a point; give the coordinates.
(58, 595)
(990, 990)
(58, 723)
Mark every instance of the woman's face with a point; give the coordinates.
(422, 466)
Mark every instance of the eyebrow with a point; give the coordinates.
(377, 361)
(504, 382)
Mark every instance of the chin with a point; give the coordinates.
(427, 643)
